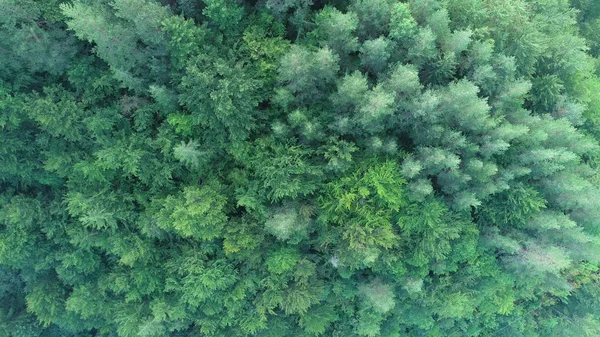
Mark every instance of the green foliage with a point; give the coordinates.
(402, 25)
(433, 228)
(513, 208)
(227, 15)
(263, 39)
(221, 97)
(288, 224)
(336, 30)
(378, 296)
(33, 42)
(374, 54)
(282, 261)
(198, 213)
(284, 170)
(188, 153)
(305, 73)
(116, 29)
(362, 205)
(299, 168)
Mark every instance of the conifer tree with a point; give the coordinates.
(299, 168)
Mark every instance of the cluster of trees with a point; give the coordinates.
(299, 168)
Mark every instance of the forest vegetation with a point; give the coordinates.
(273, 168)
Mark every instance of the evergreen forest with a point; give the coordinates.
(300, 168)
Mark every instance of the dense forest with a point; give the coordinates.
(273, 168)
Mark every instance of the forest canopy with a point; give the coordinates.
(422, 168)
